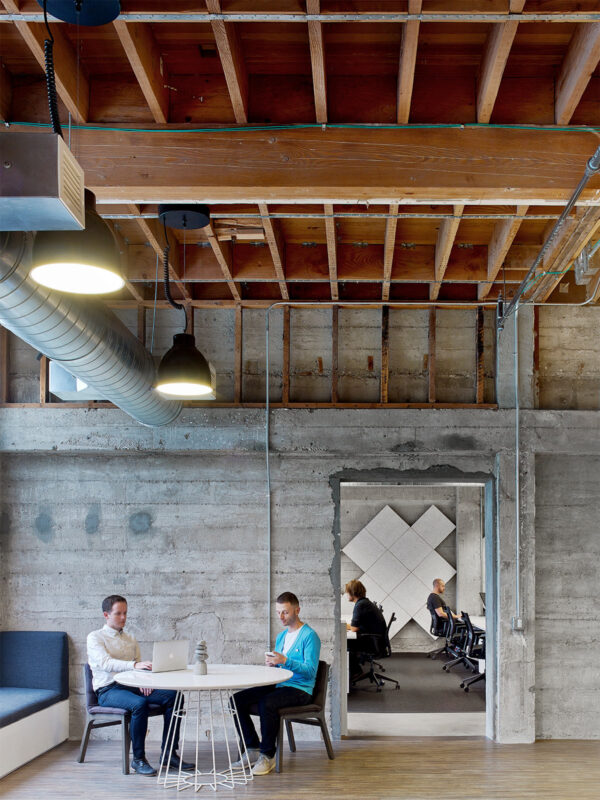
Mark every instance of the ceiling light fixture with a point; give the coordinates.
(183, 372)
(83, 12)
(79, 262)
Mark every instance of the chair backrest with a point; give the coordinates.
(439, 626)
(320, 691)
(91, 698)
(35, 660)
(387, 642)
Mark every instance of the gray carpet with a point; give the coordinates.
(424, 688)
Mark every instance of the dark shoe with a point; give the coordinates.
(176, 761)
(142, 767)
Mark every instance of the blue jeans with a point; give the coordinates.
(133, 700)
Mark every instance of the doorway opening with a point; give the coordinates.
(396, 538)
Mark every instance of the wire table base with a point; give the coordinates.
(221, 712)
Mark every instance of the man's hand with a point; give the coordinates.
(275, 659)
(146, 691)
(142, 665)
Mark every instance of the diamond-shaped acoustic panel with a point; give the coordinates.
(399, 562)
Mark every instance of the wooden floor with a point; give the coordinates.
(374, 769)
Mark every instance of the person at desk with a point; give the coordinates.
(435, 603)
(296, 648)
(111, 650)
(367, 620)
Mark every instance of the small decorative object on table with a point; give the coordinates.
(200, 656)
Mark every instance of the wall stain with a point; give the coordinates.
(44, 527)
(141, 522)
(456, 441)
(92, 521)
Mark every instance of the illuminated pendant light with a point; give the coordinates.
(79, 262)
(183, 372)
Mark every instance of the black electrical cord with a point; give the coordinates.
(50, 79)
(168, 296)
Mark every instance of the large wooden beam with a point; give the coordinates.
(317, 60)
(496, 53)
(5, 93)
(145, 59)
(443, 248)
(389, 246)
(232, 61)
(276, 244)
(408, 59)
(331, 251)
(502, 238)
(454, 166)
(72, 84)
(577, 68)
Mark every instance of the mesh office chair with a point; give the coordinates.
(381, 648)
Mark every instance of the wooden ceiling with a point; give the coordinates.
(376, 150)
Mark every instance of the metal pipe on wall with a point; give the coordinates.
(81, 335)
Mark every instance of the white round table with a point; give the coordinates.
(219, 685)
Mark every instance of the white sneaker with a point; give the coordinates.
(264, 765)
(242, 763)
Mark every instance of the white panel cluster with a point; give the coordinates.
(399, 562)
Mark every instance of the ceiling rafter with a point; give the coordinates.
(389, 244)
(5, 93)
(579, 63)
(232, 61)
(317, 61)
(331, 251)
(406, 67)
(445, 241)
(145, 59)
(224, 256)
(502, 238)
(123, 248)
(276, 244)
(496, 54)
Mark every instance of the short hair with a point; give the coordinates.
(108, 602)
(288, 597)
(437, 580)
(356, 589)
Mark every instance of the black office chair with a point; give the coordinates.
(474, 651)
(456, 638)
(379, 646)
(439, 627)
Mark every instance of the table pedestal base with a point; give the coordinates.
(221, 712)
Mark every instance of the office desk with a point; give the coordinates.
(219, 685)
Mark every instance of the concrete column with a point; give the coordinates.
(468, 549)
(505, 360)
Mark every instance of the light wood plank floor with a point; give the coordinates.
(407, 769)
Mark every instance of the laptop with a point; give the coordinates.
(168, 656)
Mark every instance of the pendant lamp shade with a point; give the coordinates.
(83, 12)
(183, 371)
(79, 262)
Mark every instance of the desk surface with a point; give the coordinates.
(220, 676)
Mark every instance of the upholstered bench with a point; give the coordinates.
(34, 695)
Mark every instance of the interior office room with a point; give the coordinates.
(344, 329)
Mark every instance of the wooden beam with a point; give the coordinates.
(44, 379)
(331, 250)
(4, 365)
(317, 61)
(479, 353)
(147, 64)
(389, 245)
(408, 59)
(232, 61)
(431, 356)
(334, 353)
(72, 84)
(285, 387)
(385, 354)
(238, 364)
(406, 165)
(123, 246)
(502, 238)
(443, 248)
(224, 256)
(580, 62)
(276, 243)
(494, 60)
(5, 93)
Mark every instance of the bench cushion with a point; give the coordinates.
(16, 703)
(35, 660)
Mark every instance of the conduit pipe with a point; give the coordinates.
(81, 335)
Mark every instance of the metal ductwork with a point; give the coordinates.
(82, 335)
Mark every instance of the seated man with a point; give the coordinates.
(297, 648)
(111, 650)
(367, 622)
(435, 603)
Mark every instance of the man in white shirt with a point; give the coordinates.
(111, 650)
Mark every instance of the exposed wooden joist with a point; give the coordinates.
(72, 84)
(44, 379)
(276, 244)
(455, 166)
(232, 61)
(223, 254)
(443, 248)
(5, 93)
(335, 351)
(238, 365)
(123, 247)
(385, 354)
(494, 60)
(4, 364)
(145, 59)
(317, 61)
(285, 376)
(408, 59)
(580, 61)
(479, 354)
(431, 345)
(331, 250)
(502, 238)
(389, 244)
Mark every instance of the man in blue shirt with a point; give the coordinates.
(297, 648)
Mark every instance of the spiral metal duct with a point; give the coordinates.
(83, 336)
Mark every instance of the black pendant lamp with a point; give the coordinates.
(183, 371)
(83, 12)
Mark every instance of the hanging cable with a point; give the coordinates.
(50, 78)
(167, 285)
